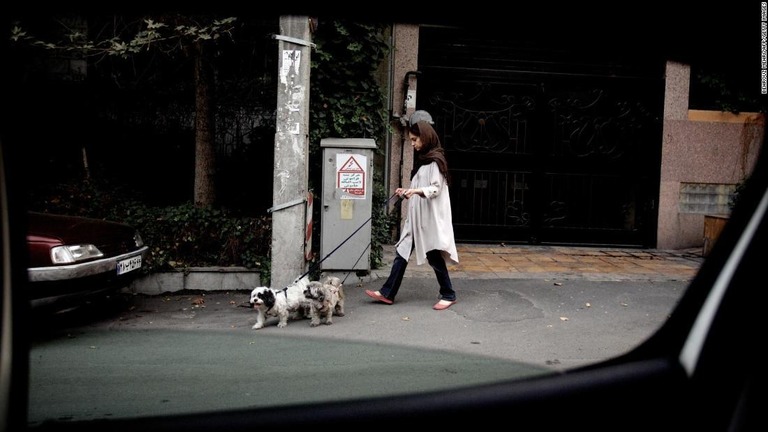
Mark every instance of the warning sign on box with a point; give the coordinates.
(351, 174)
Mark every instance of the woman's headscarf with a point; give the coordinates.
(431, 149)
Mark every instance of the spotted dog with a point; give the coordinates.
(285, 303)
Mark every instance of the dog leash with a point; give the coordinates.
(317, 264)
(357, 261)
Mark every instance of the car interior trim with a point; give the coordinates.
(689, 355)
(6, 335)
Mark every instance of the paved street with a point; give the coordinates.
(554, 306)
(544, 322)
(568, 308)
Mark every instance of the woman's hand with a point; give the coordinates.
(407, 193)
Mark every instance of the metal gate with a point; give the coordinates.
(555, 145)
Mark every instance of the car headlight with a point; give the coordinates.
(137, 238)
(73, 253)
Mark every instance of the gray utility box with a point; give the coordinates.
(347, 203)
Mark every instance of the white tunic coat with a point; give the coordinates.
(429, 223)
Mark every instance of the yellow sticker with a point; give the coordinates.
(347, 208)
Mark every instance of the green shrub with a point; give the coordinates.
(382, 224)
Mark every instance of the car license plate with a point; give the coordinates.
(129, 264)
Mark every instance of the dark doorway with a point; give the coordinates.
(548, 144)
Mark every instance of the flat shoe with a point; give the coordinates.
(376, 296)
(443, 304)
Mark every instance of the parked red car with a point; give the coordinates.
(74, 258)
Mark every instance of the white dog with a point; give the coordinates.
(285, 303)
(326, 299)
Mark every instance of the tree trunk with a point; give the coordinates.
(205, 192)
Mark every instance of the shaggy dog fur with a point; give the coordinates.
(337, 295)
(326, 299)
(286, 303)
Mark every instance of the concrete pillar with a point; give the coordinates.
(406, 43)
(291, 168)
(676, 93)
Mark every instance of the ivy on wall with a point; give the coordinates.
(347, 101)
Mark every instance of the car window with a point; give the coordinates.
(102, 330)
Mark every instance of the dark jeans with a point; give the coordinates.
(436, 261)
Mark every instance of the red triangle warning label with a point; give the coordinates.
(351, 165)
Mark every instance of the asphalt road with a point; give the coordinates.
(191, 351)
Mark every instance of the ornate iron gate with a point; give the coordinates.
(557, 145)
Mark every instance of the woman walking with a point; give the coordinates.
(428, 228)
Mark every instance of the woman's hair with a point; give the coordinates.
(431, 149)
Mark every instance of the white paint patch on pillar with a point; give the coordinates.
(290, 67)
